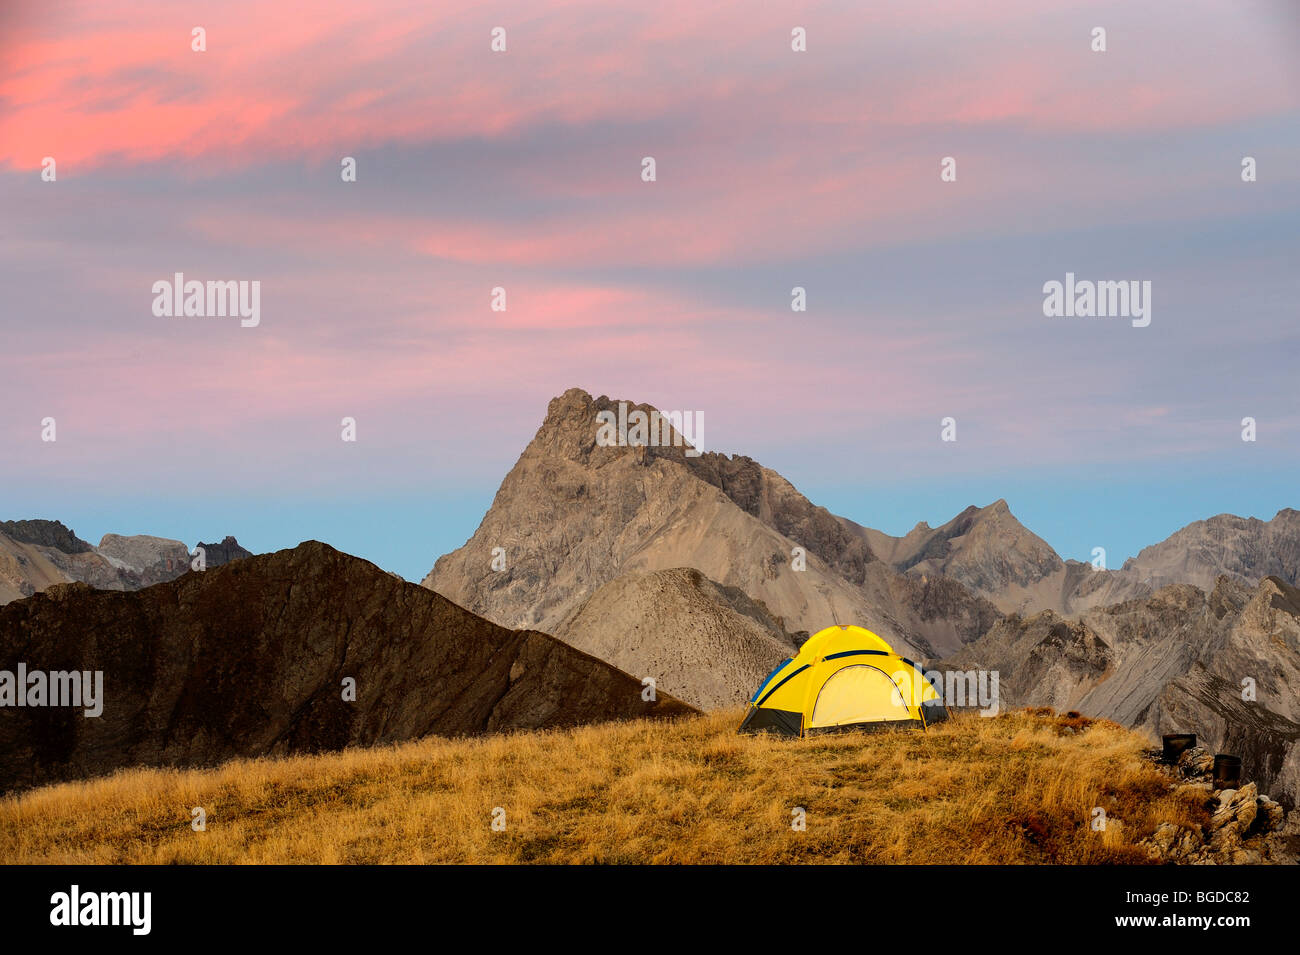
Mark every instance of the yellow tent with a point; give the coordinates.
(843, 678)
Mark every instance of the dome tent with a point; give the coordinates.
(842, 678)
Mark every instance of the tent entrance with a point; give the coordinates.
(859, 694)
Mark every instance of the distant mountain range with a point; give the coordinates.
(36, 554)
(572, 516)
(992, 554)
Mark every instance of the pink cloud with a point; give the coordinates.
(92, 85)
(765, 157)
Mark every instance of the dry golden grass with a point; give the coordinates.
(1019, 788)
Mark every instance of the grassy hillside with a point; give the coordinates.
(1020, 788)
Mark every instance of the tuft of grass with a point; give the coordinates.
(1018, 788)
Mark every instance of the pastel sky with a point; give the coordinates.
(522, 169)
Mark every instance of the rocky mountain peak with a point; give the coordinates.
(1244, 547)
(985, 548)
(46, 534)
(217, 555)
(639, 431)
(573, 515)
(569, 431)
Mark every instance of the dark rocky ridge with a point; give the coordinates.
(248, 660)
(218, 555)
(46, 534)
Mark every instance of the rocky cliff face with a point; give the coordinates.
(571, 516)
(993, 555)
(45, 534)
(250, 659)
(1222, 664)
(1244, 548)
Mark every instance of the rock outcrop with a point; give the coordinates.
(1245, 828)
(252, 659)
(1223, 664)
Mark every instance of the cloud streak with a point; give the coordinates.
(521, 170)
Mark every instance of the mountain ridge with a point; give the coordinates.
(994, 555)
(249, 658)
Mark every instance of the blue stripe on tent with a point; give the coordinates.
(781, 684)
(929, 679)
(853, 653)
(768, 679)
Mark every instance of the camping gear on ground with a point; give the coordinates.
(1227, 771)
(1176, 744)
(843, 678)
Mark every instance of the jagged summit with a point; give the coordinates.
(45, 533)
(229, 549)
(984, 548)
